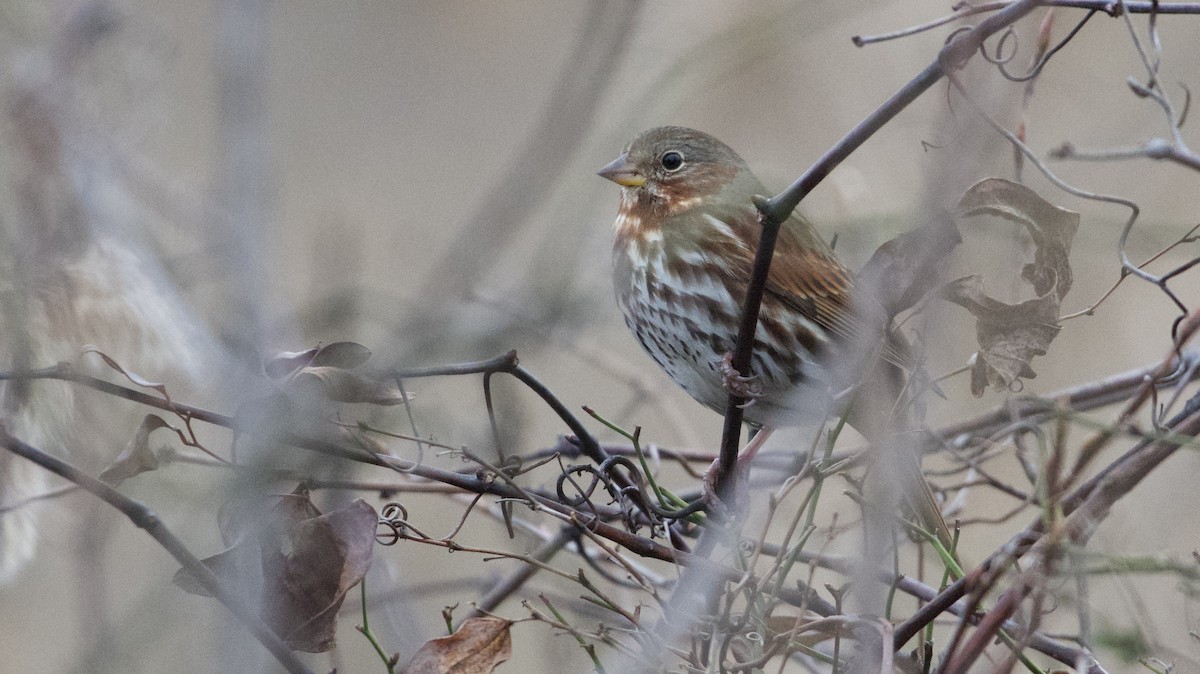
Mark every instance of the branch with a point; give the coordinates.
(1117, 479)
(144, 518)
(468, 482)
(776, 210)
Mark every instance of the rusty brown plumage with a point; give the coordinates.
(685, 240)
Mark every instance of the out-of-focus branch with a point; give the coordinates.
(143, 518)
(330, 447)
(572, 103)
(1082, 398)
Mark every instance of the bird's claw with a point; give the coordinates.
(737, 383)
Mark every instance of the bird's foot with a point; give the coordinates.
(736, 383)
(741, 469)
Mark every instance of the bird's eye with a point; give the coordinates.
(671, 161)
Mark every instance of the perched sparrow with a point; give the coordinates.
(686, 236)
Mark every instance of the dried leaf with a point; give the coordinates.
(345, 386)
(478, 646)
(328, 555)
(283, 364)
(137, 457)
(131, 376)
(224, 565)
(307, 563)
(347, 355)
(904, 270)
(1011, 335)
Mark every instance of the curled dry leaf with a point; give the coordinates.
(330, 373)
(345, 355)
(345, 386)
(137, 457)
(1010, 335)
(348, 355)
(285, 363)
(901, 272)
(128, 374)
(329, 555)
(478, 646)
(307, 563)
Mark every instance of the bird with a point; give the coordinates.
(685, 238)
(72, 276)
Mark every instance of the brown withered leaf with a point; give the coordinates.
(901, 272)
(344, 386)
(128, 374)
(224, 565)
(307, 562)
(348, 355)
(1011, 335)
(327, 556)
(330, 373)
(283, 364)
(478, 646)
(137, 457)
(345, 355)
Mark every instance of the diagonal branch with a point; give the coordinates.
(776, 210)
(144, 518)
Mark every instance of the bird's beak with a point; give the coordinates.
(623, 172)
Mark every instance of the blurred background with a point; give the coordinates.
(254, 177)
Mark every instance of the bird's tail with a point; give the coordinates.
(887, 411)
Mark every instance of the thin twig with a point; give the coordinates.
(1116, 474)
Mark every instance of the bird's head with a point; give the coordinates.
(674, 168)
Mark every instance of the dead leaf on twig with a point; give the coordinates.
(137, 457)
(347, 355)
(331, 372)
(1010, 335)
(308, 562)
(348, 387)
(285, 363)
(905, 269)
(478, 646)
(128, 374)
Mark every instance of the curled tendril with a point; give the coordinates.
(1000, 59)
(1024, 453)
(1036, 69)
(958, 31)
(585, 494)
(637, 490)
(631, 498)
(394, 516)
